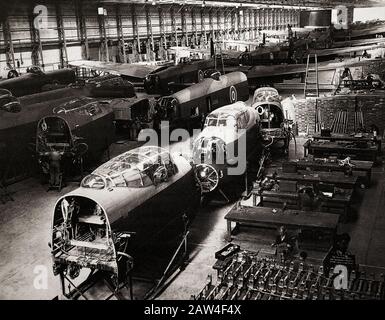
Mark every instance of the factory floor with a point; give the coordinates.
(25, 264)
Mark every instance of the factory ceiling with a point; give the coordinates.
(304, 4)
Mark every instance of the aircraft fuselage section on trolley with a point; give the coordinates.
(35, 79)
(139, 191)
(188, 107)
(76, 131)
(229, 138)
(267, 104)
(18, 129)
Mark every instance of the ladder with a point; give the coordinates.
(311, 88)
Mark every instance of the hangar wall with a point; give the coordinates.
(75, 27)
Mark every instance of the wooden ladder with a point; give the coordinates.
(311, 88)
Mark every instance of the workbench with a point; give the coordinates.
(338, 179)
(317, 165)
(340, 149)
(274, 218)
(339, 200)
(366, 137)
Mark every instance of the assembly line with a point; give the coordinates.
(239, 164)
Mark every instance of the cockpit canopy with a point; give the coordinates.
(34, 70)
(152, 80)
(137, 168)
(235, 116)
(82, 106)
(108, 79)
(266, 94)
(167, 102)
(221, 120)
(212, 74)
(8, 102)
(167, 106)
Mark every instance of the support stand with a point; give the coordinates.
(162, 283)
(246, 192)
(74, 292)
(218, 196)
(223, 195)
(115, 280)
(59, 185)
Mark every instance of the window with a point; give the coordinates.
(133, 169)
(211, 122)
(93, 109)
(94, 181)
(168, 164)
(136, 179)
(220, 121)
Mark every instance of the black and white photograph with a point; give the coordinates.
(210, 152)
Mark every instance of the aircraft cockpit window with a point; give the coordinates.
(94, 181)
(211, 122)
(168, 102)
(93, 109)
(132, 169)
(59, 110)
(167, 162)
(221, 121)
(136, 179)
(268, 94)
(34, 70)
(79, 105)
(10, 104)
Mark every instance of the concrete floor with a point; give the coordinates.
(26, 222)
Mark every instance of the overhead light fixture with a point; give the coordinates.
(203, 3)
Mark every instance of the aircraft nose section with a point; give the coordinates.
(210, 150)
(207, 177)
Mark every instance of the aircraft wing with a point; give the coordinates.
(357, 32)
(336, 51)
(132, 70)
(284, 69)
(358, 42)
